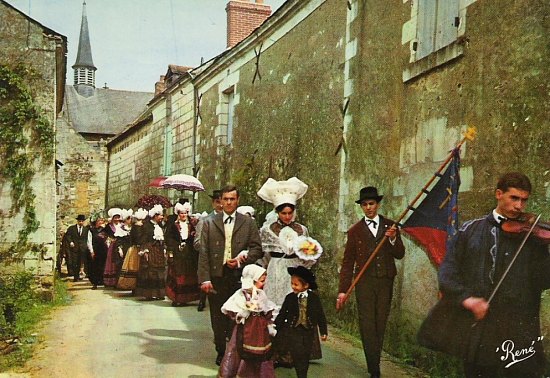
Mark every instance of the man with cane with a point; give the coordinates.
(374, 288)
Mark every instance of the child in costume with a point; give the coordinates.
(300, 316)
(248, 352)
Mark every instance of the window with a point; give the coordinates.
(230, 116)
(434, 34)
(437, 26)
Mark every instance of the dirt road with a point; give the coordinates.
(106, 333)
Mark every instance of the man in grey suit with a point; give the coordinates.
(228, 241)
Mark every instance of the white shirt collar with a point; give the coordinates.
(376, 219)
(498, 218)
(302, 294)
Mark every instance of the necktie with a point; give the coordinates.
(79, 230)
(501, 219)
(370, 221)
(228, 220)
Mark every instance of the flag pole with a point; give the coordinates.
(469, 134)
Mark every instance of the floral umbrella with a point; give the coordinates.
(150, 200)
(183, 182)
(157, 182)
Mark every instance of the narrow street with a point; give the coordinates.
(106, 333)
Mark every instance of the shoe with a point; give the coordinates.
(200, 307)
(94, 287)
(219, 359)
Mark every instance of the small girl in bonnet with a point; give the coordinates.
(253, 312)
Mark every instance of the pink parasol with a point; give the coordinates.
(183, 182)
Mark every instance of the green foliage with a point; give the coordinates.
(21, 310)
(27, 135)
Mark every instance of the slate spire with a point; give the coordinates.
(84, 69)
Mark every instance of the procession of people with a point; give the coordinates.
(261, 286)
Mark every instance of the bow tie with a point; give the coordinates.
(370, 221)
(303, 294)
(501, 219)
(228, 220)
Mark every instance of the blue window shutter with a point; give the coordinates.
(426, 26)
(446, 29)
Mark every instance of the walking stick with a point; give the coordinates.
(468, 135)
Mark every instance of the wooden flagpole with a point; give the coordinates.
(468, 135)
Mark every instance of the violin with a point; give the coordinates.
(523, 224)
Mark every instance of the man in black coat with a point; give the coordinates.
(506, 340)
(77, 239)
(374, 290)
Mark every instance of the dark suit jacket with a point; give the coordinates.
(359, 247)
(212, 244)
(288, 316)
(80, 241)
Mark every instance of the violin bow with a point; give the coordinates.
(516, 254)
(469, 134)
(513, 259)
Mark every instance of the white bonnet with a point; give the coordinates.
(250, 274)
(140, 213)
(279, 192)
(126, 213)
(183, 207)
(114, 211)
(246, 209)
(157, 209)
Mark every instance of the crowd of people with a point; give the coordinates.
(261, 287)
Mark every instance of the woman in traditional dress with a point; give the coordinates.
(97, 243)
(182, 283)
(110, 274)
(151, 280)
(130, 267)
(279, 235)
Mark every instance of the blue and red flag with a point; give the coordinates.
(434, 223)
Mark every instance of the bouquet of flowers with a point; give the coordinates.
(148, 201)
(307, 248)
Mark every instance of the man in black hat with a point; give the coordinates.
(375, 288)
(77, 239)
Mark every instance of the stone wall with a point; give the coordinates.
(335, 95)
(25, 41)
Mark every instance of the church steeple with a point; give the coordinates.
(84, 69)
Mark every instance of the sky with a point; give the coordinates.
(134, 41)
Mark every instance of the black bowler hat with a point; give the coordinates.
(216, 194)
(369, 192)
(305, 274)
(81, 217)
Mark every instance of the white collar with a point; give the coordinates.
(376, 219)
(498, 218)
(225, 215)
(302, 294)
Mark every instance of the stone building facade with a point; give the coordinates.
(43, 51)
(349, 94)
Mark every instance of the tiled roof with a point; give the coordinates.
(107, 112)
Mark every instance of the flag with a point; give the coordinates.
(434, 223)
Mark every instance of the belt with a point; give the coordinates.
(281, 255)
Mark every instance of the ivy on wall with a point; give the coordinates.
(27, 135)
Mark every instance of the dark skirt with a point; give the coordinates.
(110, 274)
(151, 281)
(182, 284)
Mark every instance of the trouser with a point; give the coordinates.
(373, 296)
(300, 341)
(222, 325)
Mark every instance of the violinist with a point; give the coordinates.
(506, 341)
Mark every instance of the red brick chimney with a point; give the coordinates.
(243, 16)
(160, 85)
